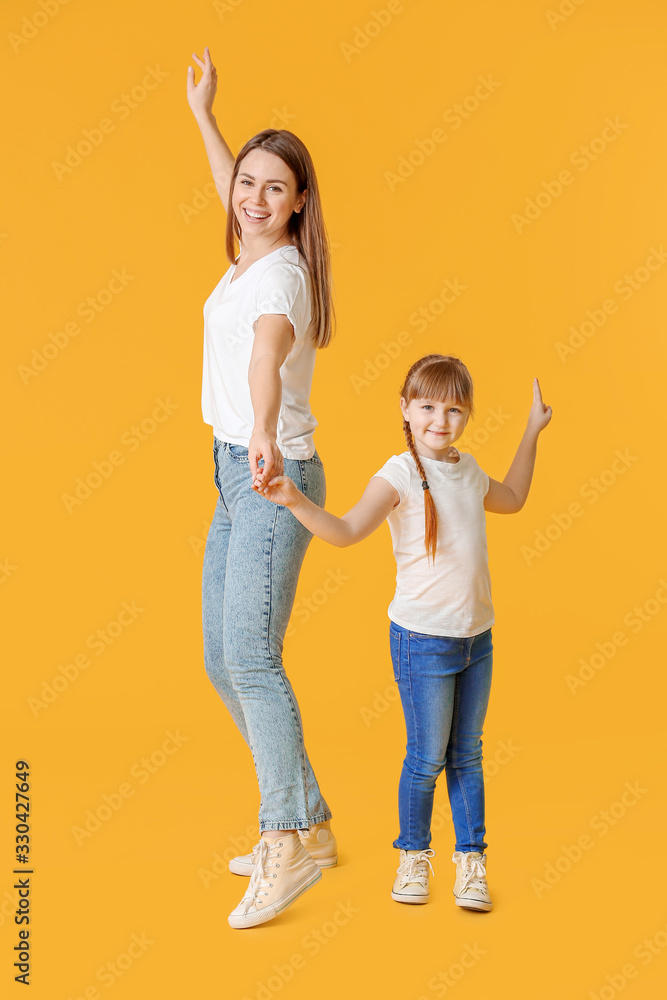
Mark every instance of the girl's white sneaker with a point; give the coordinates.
(411, 882)
(282, 872)
(470, 888)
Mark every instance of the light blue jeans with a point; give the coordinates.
(254, 551)
(444, 685)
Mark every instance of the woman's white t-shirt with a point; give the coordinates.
(452, 595)
(276, 283)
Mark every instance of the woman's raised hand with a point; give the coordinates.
(202, 94)
(539, 415)
(280, 490)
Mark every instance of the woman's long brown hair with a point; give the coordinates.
(440, 377)
(306, 228)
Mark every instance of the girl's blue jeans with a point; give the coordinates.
(254, 551)
(444, 685)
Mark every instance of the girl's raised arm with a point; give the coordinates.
(368, 514)
(200, 99)
(509, 496)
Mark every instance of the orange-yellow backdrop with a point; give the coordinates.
(493, 183)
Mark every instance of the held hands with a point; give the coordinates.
(201, 95)
(539, 415)
(264, 446)
(279, 490)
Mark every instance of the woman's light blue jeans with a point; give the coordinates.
(444, 685)
(254, 551)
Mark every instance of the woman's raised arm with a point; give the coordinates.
(200, 99)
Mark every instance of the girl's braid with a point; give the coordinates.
(430, 516)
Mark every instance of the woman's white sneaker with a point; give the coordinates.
(321, 844)
(244, 864)
(282, 872)
(411, 882)
(319, 841)
(470, 888)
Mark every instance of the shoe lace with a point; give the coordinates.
(413, 866)
(261, 879)
(473, 872)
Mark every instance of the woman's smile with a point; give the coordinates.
(254, 216)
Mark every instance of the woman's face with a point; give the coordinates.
(265, 195)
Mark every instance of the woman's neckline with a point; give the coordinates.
(263, 257)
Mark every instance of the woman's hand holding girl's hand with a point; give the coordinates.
(280, 490)
(201, 95)
(264, 446)
(539, 415)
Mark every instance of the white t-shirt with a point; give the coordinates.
(276, 283)
(451, 596)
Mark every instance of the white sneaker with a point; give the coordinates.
(244, 864)
(470, 888)
(411, 882)
(319, 841)
(321, 844)
(283, 871)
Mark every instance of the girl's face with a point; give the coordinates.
(435, 424)
(265, 196)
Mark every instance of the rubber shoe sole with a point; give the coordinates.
(326, 862)
(408, 898)
(241, 921)
(473, 904)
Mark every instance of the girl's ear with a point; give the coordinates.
(404, 408)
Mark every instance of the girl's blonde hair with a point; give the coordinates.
(306, 228)
(440, 377)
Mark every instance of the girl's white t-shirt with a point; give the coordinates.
(276, 283)
(451, 596)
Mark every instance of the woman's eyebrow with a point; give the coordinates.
(270, 180)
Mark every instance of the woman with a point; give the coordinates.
(263, 322)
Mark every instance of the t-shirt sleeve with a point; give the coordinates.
(396, 472)
(281, 291)
(480, 478)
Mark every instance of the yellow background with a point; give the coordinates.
(150, 868)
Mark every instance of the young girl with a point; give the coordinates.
(441, 616)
